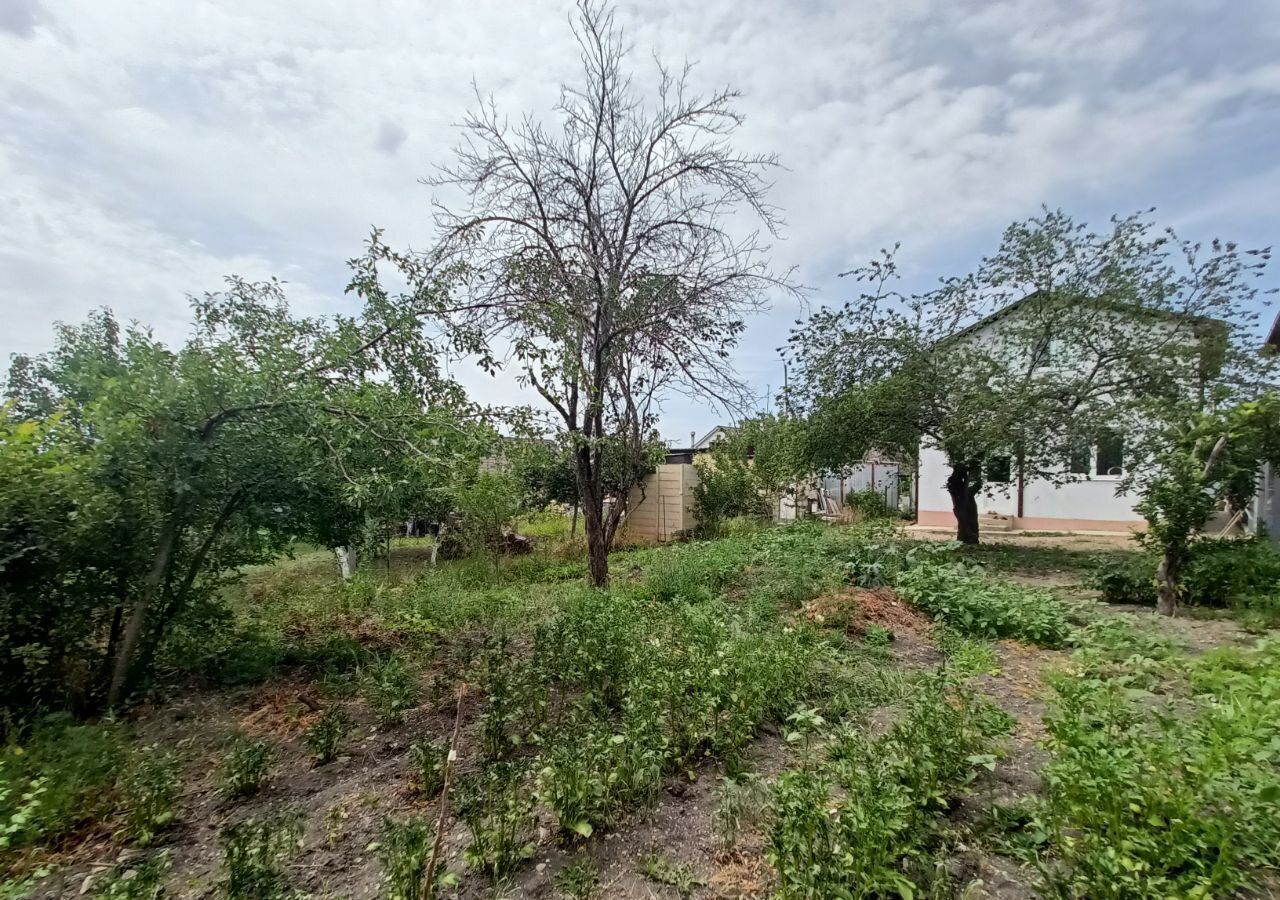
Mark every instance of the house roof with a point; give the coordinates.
(1273, 336)
(1164, 314)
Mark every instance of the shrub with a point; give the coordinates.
(149, 789)
(977, 606)
(62, 778)
(869, 503)
(245, 769)
(723, 494)
(324, 736)
(1125, 579)
(253, 853)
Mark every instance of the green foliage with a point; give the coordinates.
(486, 507)
(325, 735)
(497, 807)
(253, 854)
(138, 478)
(428, 759)
(724, 493)
(245, 768)
(391, 688)
(405, 852)
(859, 825)
(579, 880)
(149, 789)
(869, 503)
(1124, 579)
(136, 881)
(977, 606)
(60, 779)
(1164, 800)
(677, 875)
(740, 802)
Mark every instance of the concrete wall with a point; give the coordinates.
(662, 506)
(1090, 505)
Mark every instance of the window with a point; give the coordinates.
(999, 470)
(1110, 454)
(1080, 458)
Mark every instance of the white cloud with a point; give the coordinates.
(149, 147)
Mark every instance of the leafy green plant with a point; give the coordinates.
(253, 854)
(405, 851)
(324, 736)
(428, 760)
(869, 503)
(136, 881)
(390, 688)
(246, 766)
(678, 875)
(579, 880)
(977, 606)
(497, 807)
(740, 802)
(149, 788)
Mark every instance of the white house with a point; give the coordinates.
(1089, 501)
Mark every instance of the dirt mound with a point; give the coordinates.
(856, 609)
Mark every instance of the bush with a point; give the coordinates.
(723, 494)
(869, 503)
(1237, 573)
(1125, 579)
(405, 853)
(390, 688)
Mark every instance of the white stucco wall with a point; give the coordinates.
(1079, 504)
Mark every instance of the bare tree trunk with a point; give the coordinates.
(132, 634)
(1168, 574)
(597, 543)
(573, 523)
(964, 503)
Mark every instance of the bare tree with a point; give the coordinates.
(604, 253)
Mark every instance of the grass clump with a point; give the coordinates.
(579, 880)
(136, 881)
(390, 688)
(976, 606)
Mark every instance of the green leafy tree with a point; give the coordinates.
(598, 251)
(137, 476)
(1195, 465)
(1062, 333)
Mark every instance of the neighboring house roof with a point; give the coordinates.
(715, 434)
(1004, 311)
(1273, 336)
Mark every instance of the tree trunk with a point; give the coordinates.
(1167, 575)
(347, 561)
(597, 544)
(133, 629)
(964, 503)
(573, 523)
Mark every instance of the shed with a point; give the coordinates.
(662, 505)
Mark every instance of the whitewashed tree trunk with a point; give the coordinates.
(346, 561)
(435, 544)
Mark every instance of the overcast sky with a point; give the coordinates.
(149, 147)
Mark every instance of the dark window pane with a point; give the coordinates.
(999, 470)
(1081, 458)
(1110, 453)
